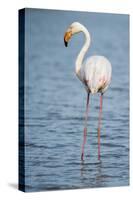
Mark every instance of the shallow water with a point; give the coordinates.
(56, 99)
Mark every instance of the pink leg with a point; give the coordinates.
(85, 127)
(99, 124)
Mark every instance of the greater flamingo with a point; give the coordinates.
(95, 74)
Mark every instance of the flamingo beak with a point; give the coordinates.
(65, 42)
(67, 37)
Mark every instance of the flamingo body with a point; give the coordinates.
(95, 74)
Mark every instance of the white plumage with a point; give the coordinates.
(95, 73)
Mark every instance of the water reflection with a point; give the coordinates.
(86, 170)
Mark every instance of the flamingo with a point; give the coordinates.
(95, 73)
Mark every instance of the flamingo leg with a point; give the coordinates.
(99, 124)
(85, 127)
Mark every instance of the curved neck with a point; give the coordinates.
(83, 51)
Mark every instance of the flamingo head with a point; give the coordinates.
(74, 28)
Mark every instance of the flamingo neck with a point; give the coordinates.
(83, 51)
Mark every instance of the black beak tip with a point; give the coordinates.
(66, 43)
